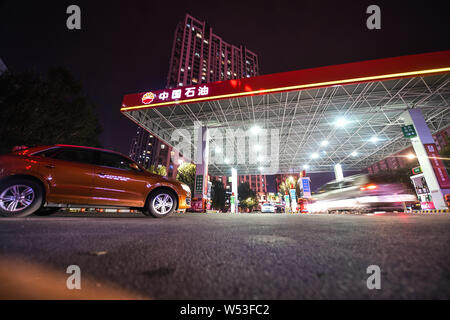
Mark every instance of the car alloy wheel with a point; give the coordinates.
(16, 198)
(162, 203)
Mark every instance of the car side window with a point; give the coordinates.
(331, 186)
(75, 155)
(115, 161)
(50, 153)
(347, 184)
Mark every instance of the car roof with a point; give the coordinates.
(32, 150)
(26, 151)
(82, 147)
(350, 178)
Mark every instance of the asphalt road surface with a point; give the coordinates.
(252, 256)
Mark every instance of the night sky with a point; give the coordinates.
(125, 46)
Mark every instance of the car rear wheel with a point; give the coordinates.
(161, 204)
(20, 197)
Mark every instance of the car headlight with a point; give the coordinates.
(186, 188)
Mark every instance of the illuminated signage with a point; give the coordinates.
(417, 170)
(409, 131)
(199, 184)
(174, 95)
(240, 88)
(293, 200)
(148, 98)
(306, 188)
(438, 166)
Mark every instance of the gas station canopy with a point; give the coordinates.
(346, 114)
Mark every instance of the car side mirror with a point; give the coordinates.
(135, 167)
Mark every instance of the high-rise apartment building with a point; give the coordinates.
(2, 66)
(147, 150)
(198, 56)
(142, 147)
(257, 183)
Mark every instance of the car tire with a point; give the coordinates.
(20, 197)
(44, 212)
(161, 203)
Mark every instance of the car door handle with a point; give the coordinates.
(50, 166)
(101, 174)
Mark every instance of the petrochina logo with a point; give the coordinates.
(148, 98)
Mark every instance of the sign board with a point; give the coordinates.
(293, 200)
(306, 187)
(438, 166)
(209, 189)
(409, 131)
(174, 95)
(286, 200)
(293, 194)
(234, 189)
(199, 184)
(417, 170)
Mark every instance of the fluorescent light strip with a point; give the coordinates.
(303, 86)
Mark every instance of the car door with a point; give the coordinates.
(119, 181)
(70, 175)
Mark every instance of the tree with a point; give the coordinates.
(43, 111)
(218, 195)
(186, 174)
(159, 170)
(283, 188)
(244, 191)
(247, 197)
(286, 186)
(249, 203)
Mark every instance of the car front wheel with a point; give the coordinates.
(161, 204)
(20, 197)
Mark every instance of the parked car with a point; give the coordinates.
(43, 179)
(267, 208)
(362, 193)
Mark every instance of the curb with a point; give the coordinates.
(430, 211)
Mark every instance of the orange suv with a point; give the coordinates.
(41, 180)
